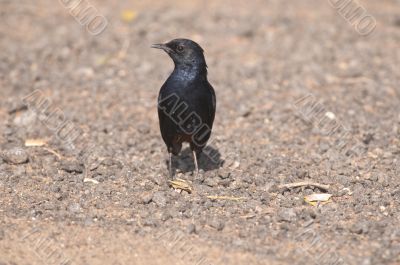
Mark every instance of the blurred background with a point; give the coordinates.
(104, 199)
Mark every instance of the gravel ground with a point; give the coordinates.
(302, 96)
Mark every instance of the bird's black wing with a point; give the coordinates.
(213, 106)
(169, 128)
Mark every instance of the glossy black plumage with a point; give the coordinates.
(186, 102)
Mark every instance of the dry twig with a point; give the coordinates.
(53, 152)
(304, 184)
(225, 198)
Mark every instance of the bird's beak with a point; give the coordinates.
(162, 47)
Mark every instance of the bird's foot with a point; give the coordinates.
(196, 165)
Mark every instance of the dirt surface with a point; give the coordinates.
(102, 197)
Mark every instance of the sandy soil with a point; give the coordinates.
(102, 197)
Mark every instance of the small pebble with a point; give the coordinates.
(71, 166)
(15, 156)
(360, 228)
(191, 229)
(287, 215)
(74, 208)
(165, 216)
(217, 224)
(160, 199)
(330, 115)
(146, 197)
(211, 182)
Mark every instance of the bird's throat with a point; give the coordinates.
(190, 72)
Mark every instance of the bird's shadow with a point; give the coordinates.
(209, 159)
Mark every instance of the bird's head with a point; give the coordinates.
(184, 52)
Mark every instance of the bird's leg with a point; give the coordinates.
(171, 176)
(196, 166)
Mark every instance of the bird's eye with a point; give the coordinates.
(180, 48)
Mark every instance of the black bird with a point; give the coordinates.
(186, 102)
